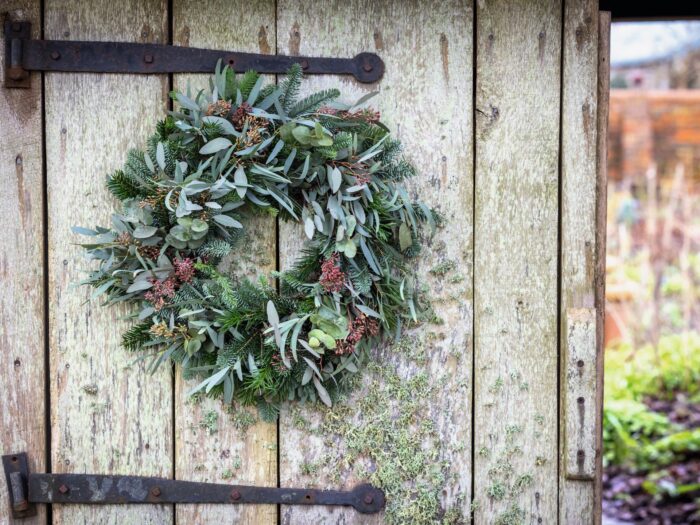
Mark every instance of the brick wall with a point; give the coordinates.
(653, 126)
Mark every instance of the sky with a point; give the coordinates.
(633, 41)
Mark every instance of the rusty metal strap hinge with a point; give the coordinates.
(27, 489)
(23, 54)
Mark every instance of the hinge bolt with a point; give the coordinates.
(63, 489)
(368, 67)
(304, 64)
(55, 55)
(148, 59)
(235, 495)
(16, 27)
(368, 499)
(155, 491)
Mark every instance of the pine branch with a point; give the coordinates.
(313, 102)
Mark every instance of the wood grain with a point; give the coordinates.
(579, 188)
(22, 332)
(604, 20)
(211, 443)
(518, 78)
(425, 98)
(107, 414)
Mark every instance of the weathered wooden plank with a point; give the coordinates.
(107, 414)
(604, 20)
(22, 332)
(425, 97)
(579, 164)
(518, 78)
(214, 442)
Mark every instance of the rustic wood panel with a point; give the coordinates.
(518, 78)
(107, 414)
(22, 333)
(426, 98)
(214, 442)
(604, 19)
(579, 163)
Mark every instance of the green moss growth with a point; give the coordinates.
(386, 435)
(210, 422)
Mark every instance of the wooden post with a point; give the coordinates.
(581, 356)
(604, 20)
(22, 269)
(518, 77)
(108, 415)
(214, 442)
(426, 99)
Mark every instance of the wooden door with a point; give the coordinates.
(488, 414)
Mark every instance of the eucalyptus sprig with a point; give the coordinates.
(245, 148)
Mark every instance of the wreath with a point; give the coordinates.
(244, 149)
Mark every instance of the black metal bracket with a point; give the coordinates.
(27, 489)
(23, 54)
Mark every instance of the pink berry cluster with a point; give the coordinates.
(332, 276)
(161, 291)
(359, 327)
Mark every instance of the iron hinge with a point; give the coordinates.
(27, 489)
(24, 54)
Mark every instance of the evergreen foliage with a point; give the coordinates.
(243, 149)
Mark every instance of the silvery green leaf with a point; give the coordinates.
(351, 222)
(143, 314)
(83, 231)
(273, 154)
(187, 103)
(272, 316)
(319, 223)
(139, 286)
(228, 389)
(213, 205)
(359, 211)
(227, 221)
(252, 366)
(196, 186)
(144, 232)
(336, 178)
(313, 366)
(367, 310)
(308, 374)
(149, 163)
(255, 91)
(309, 228)
(241, 181)
(369, 257)
(217, 378)
(322, 393)
(290, 159)
(226, 126)
(215, 145)
(160, 155)
(102, 288)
